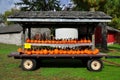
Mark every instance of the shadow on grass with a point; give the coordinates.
(61, 63)
(117, 47)
(111, 65)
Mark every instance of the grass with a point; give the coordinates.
(54, 69)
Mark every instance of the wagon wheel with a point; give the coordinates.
(94, 65)
(28, 64)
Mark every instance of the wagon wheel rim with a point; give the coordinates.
(95, 65)
(28, 64)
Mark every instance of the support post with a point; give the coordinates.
(104, 36)
(29, 33)
(93, 41)
(23, 35)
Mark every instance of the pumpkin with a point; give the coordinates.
(56, 51)
(95, 51)
(60, 51)
(78, 52)
(29, 52)
(37, 52)
(25, 51)
(46, 41)
(84, 41)
(88, 41)
(35, 41)
(64, 52)
(45, 51)
(32, 41)
(81, 41)
(52, 42)
(70, 51)
(42, 41)
(89, 52)
(49, 41)
(51, 52)
(20, 50)
(82, 52)
(74, 41)
(40, 51)
(28, 41)
(33, 51)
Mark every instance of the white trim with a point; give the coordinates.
(58, 20)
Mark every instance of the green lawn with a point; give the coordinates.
(56, 69)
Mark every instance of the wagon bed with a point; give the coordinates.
(18, 55)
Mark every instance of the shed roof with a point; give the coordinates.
(59, 16)
(15, 28)
(112, 29)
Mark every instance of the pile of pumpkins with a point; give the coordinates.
(59, 41)
(58, 51)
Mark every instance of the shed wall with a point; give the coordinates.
(14, 38)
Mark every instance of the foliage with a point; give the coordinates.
(114, 11)
(88, 4)
(39, 5)
(8, 13)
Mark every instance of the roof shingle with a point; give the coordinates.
(61, 14)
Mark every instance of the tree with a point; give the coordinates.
(39, 5)
(86, 5)
(8, 13)
(114, 11)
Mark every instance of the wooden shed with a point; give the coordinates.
(112, 35)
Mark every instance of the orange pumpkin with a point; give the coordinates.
(78, 52)
(37, 52)
(88, 41)
(51, 52)
(70, 51)
(56, 51)
(81, 41)
(28, 41)
(25, 51)
(49, 41)
(40, 51)
(33, 51)
(64, 52)
(45, 51)
(85, 51)
(29, 52)
(84, 41)
(60, 51)
(42, 41)
(32, 41)
(35, 41)
(82, 52)
(20, 50)
(95, 51)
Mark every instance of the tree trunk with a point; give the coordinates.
(104, 36)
